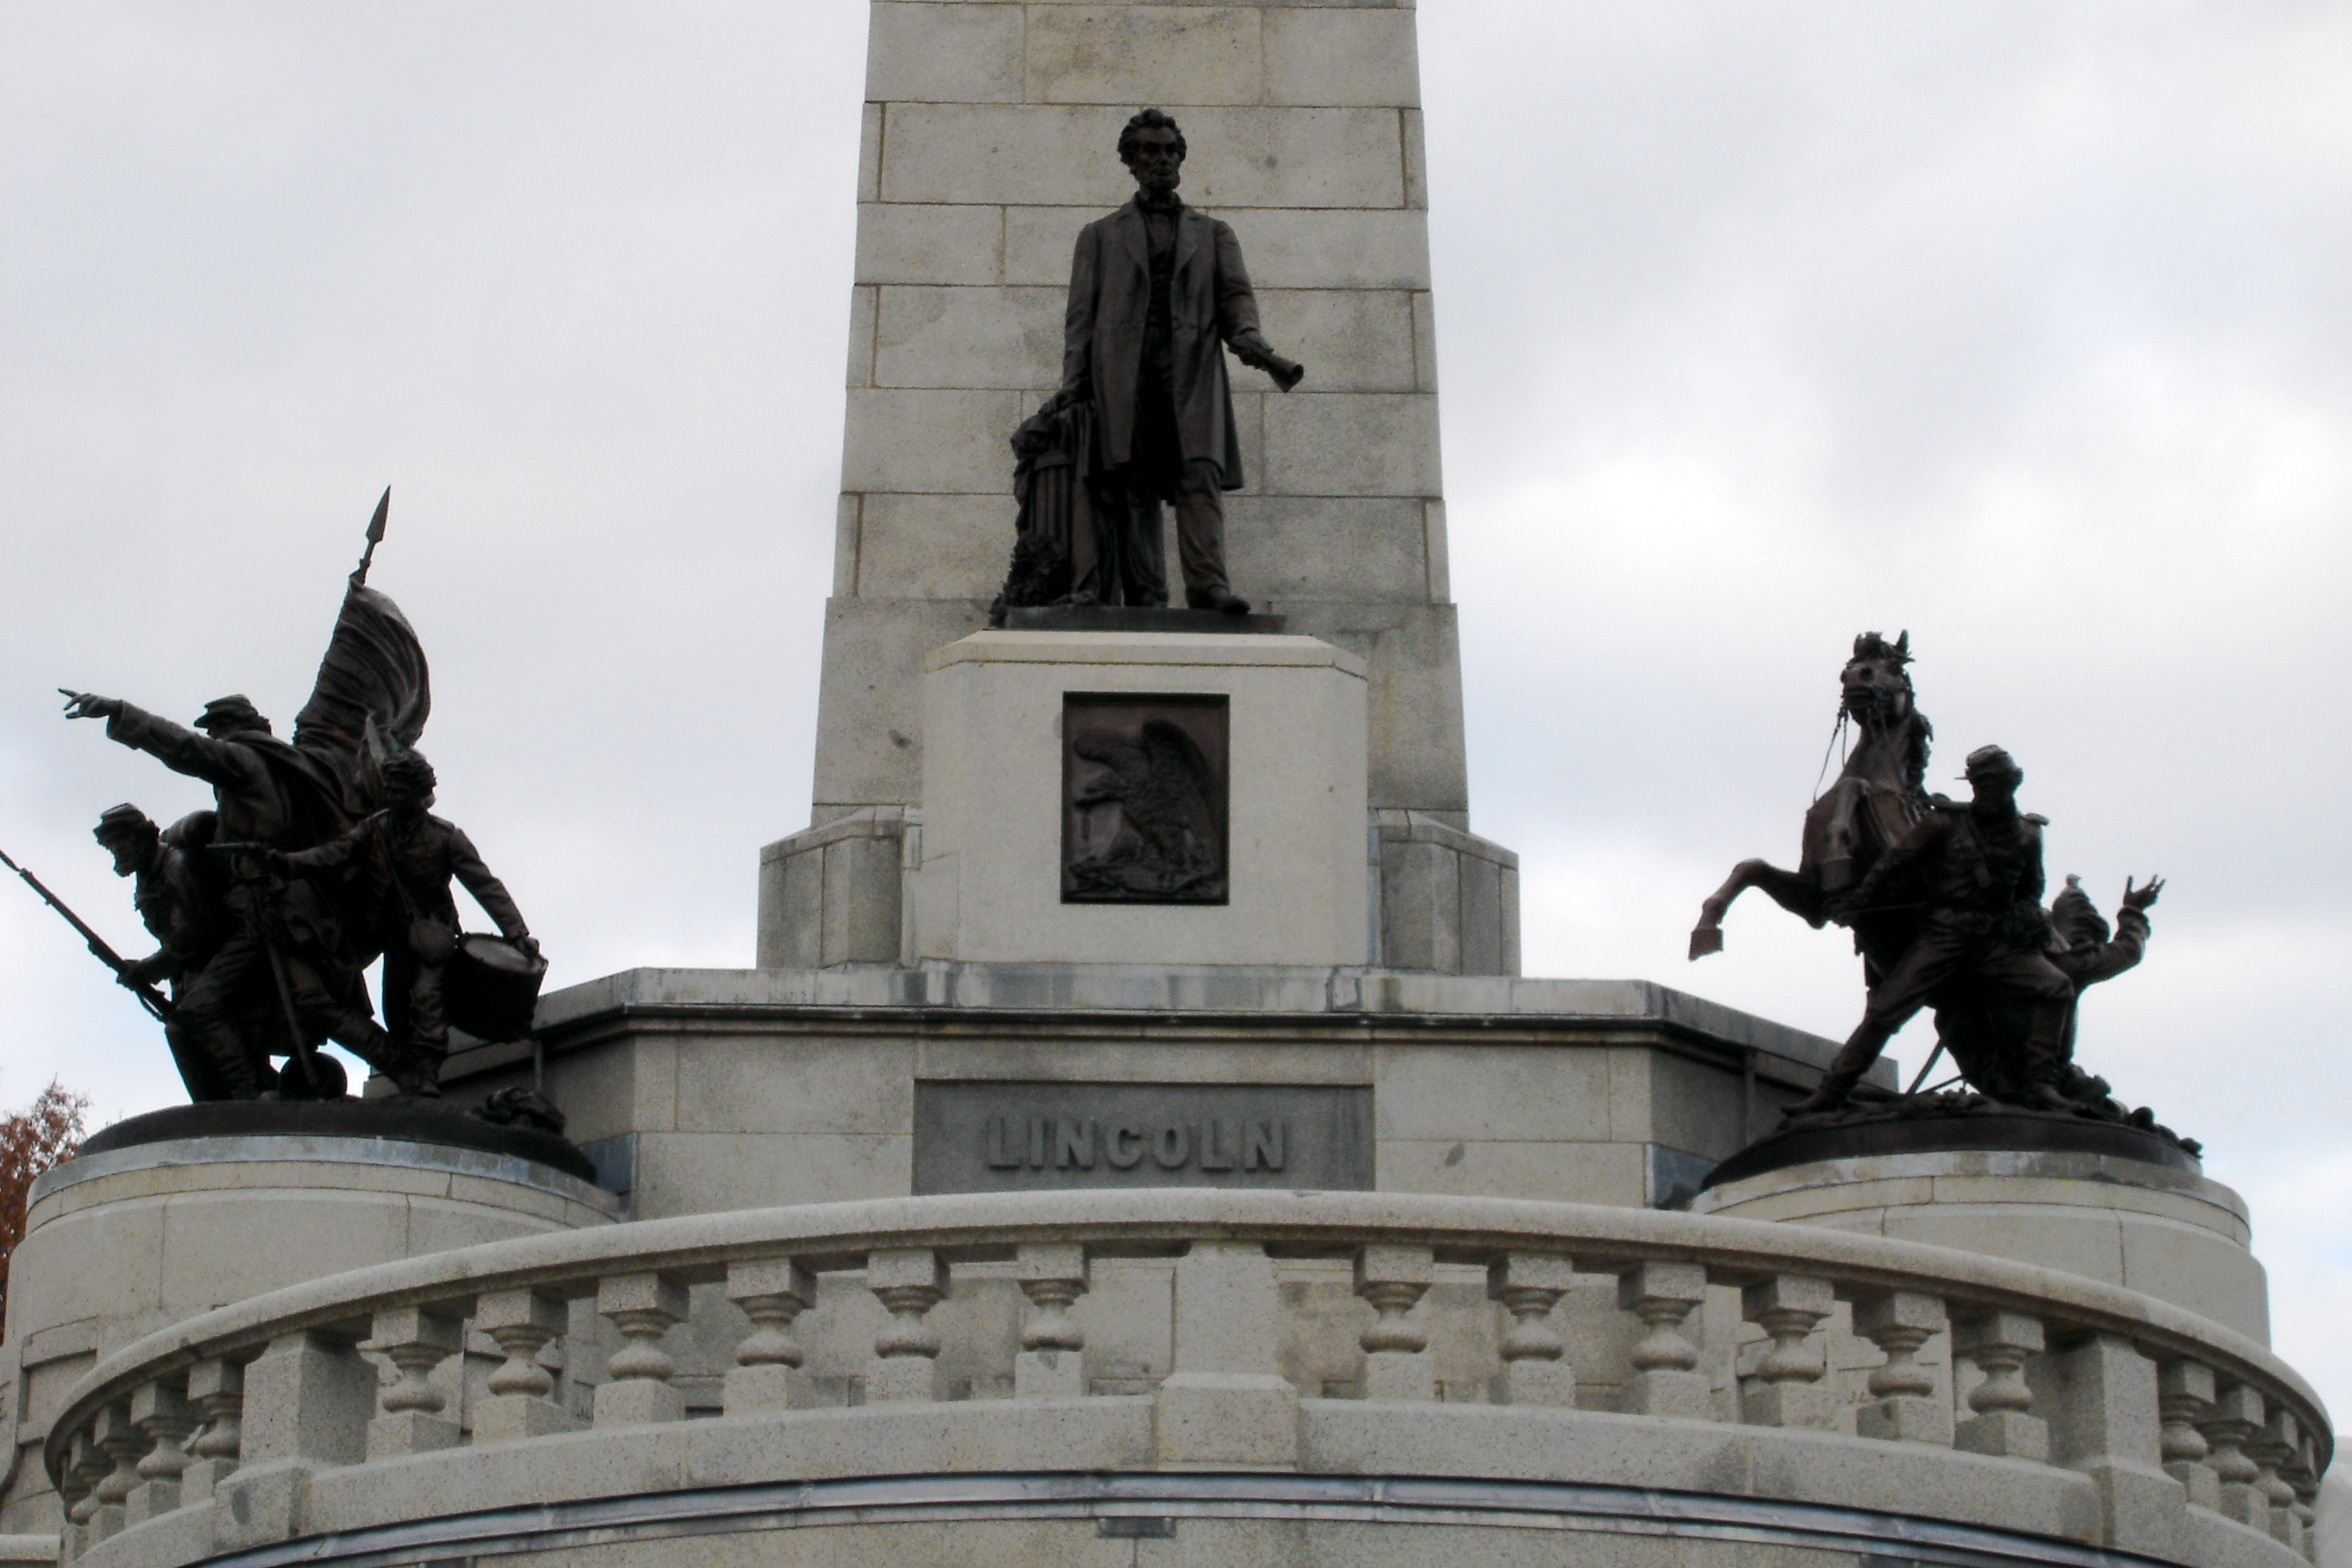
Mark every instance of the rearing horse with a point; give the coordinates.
(1877, 796)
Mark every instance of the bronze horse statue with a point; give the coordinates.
(1878, 794)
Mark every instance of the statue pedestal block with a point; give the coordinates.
(2172, 1234)
(1289, 714)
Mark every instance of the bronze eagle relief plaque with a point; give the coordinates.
(1143, 799)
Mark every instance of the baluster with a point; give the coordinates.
(163, 1415)
(125, 1445)
(417, 1339)
(1909, 1405)
(1536, 1369)
(1665, 1380)
(2231, 1423)
(1393, 1279)
(909, 1282)
(638, 1392)
(2303, 1474)
(88, 1467)
(1999, 1344)
(2275, 1445)
(773, 1292)
(522, 1323)
(2184, 1390)
(1052, 1364)
(1785, 1389)
(216, 1390)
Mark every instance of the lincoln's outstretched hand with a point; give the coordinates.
(1254, 351)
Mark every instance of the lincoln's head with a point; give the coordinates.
(1152, 148)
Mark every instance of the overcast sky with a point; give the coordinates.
(2021, 325)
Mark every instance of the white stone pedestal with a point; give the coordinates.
(990, 885)
(2173, 1235)
(123, 1242)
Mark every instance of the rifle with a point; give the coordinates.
(149, 997)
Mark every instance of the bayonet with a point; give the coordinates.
(374, 538)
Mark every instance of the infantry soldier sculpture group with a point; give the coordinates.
(318, 856)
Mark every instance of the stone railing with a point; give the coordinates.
(2148, 1418)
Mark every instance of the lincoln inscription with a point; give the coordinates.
(999, 1136)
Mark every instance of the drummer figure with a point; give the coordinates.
(403, 857)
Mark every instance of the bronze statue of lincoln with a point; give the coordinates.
(1156, 292)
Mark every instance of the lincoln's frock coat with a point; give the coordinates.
(1210, 305)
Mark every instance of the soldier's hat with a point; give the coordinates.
(1988, 760)
(120, 820)
(235, 712)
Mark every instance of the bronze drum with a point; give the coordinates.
(491, 988)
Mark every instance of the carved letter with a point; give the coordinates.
(1123, 1147)
(1265, 1145)
(1074, 1144)
(1215, 1154)
(1038, 1127)
(1172, 1145)
(1002, 1155)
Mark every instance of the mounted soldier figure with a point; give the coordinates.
(1974, 871)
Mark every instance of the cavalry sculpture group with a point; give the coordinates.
(1944, 899)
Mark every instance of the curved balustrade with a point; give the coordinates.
(2143, 1408)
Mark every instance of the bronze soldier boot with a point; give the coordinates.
(418, 1072)
(233, 1068)
(2044, 1074)
(1844, 1072)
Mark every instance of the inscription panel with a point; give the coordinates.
(994, 1137)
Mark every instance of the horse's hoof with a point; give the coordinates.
(1704, 941)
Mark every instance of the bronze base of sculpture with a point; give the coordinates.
(1125, 618)
(402, 1116)
(1939, 1123)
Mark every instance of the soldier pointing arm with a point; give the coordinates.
(279, 938)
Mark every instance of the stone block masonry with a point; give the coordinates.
(990, 140)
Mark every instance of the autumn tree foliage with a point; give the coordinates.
(31, 1141)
